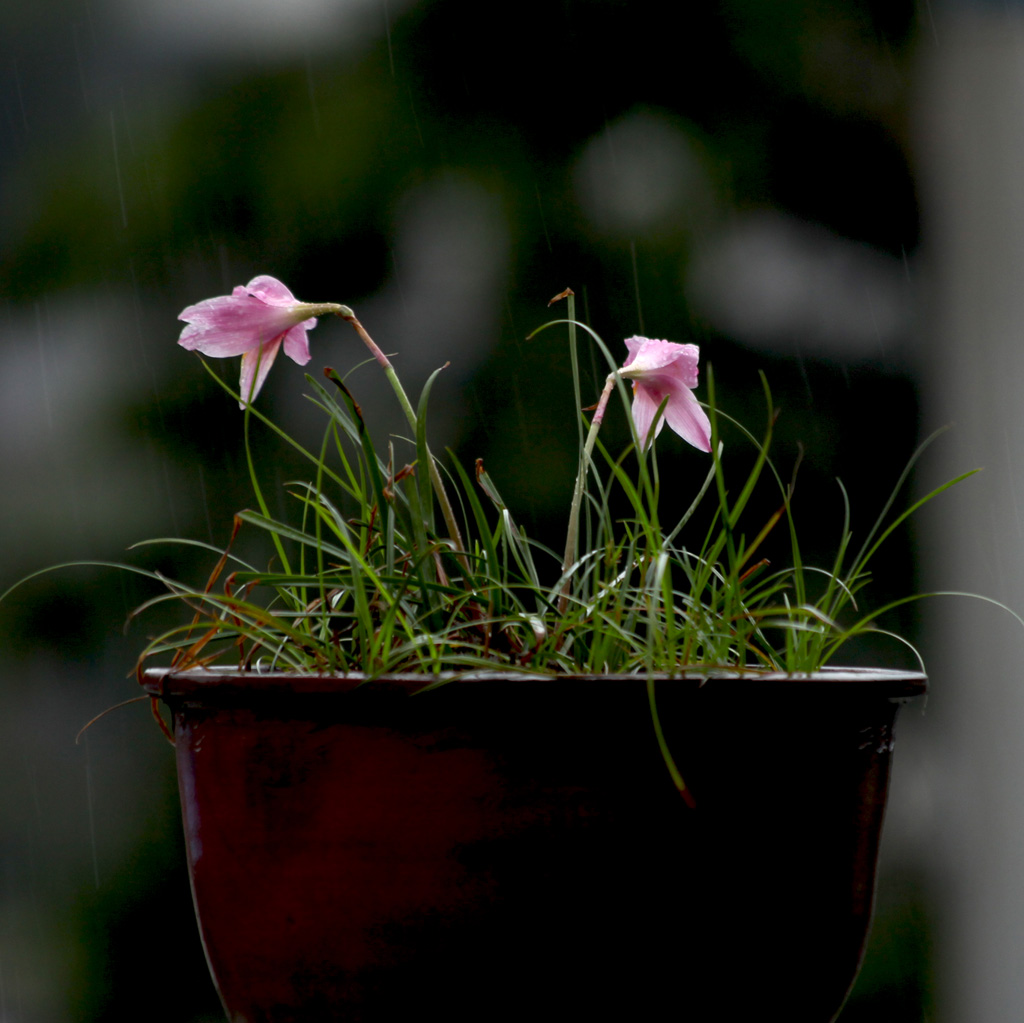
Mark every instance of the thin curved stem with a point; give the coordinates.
(410, 414)
(572, 539)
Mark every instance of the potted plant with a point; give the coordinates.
(425, 761)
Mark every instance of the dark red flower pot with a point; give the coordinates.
(513, 848)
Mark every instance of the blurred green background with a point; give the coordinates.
(739, 174)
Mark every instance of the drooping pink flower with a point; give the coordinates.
(660, 369)
(254, 321)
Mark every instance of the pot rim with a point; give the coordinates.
(166, 683)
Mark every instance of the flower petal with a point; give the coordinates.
(296, 343)
(634, 344)
(646, 402)
(666, 358)
(270, 290)
(660, 369)
(233, 325)
(684, 414)
(254, 321)
(256, 362)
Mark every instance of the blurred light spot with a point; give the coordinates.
(642, 173)
(772, 281)
(258, 28)
(450, 258)
(85, 483)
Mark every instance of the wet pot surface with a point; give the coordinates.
(511, 848)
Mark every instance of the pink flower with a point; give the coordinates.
(253, 321)
(661, 369)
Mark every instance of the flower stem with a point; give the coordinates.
(410, 414)
(573, 535)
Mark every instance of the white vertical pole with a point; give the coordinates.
(970, 151)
